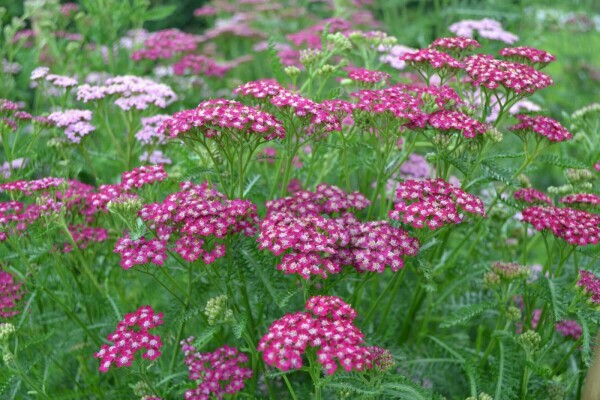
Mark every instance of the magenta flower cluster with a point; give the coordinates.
(215, 117)
(132, 335)
(166, 44)
(433, 202)
(486, 71)
(527, 55)
(581, 199)
(219, 373)
(327, 325)
(142, 176)
(368, 76)
(532, 196)
(455, 43)
(432, 58)
(544, 126)
(10, 294)
(577, 227)
(456, 121)
(196, 219)
(569, 328)
(590, 284)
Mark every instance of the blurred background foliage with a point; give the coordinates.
(567, 28)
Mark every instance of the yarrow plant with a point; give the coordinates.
(340, 206)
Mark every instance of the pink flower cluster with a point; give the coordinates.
(431, 57)
(131, 92)
(527, 55)
(166, 44)
(327, 326)
(197, 64)
(394, 100)
(149, 134)
(219, 373)
(455, 43)
(569, 328)
(76, 123)
(530, 195)
(577, 227)
(581, 198)
(522, 79)
(56, 80)
(10, 294)
(303, 107)
(84, 235)
(29, 187)
(195, 215)
(142, 176)
(456, 121)
(368, 76)
(590, 283)
(326, 199)
(434, 202)
(485, 28)
(215, 117)
(261, 89)
(545, 126)
(140, 251)
(315, 245)
(130, 336)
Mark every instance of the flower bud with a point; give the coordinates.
(6, 329)
(530, 340)
(292, 71)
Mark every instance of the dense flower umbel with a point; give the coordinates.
(581, 199)
(215, 117)
(76, 123)
(303, 107)
(394, 100)
(569, 328)
(432, 57)
(197, 64)
(130, 336)
(368, 76)
(527, 55)
(434, 202)
(261, 89)
(375, 245)
(140, 251)
(166, 44)
(522, 79)
(577, 227)
(456, 121)
(485, 28)
(590, 283)
(530, 195)
(149, 134)
(131, 92)
(144, 175)
(545, 126)
(219, 373)
(29, 187)
(194, 216)
(326, 199)
(309, 242)
(10, 294)
(455, 43)
(84, 235)
(327, 326)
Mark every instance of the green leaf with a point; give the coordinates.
(276, 65)
(205, 337)
(563, 162)
(586, 349)
(240, 326)
(159, 12)
(465, 314)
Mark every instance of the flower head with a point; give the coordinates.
(528, 55)
(590, 284)
(533, 196)
(544, 126)
(10, 295)
(130, 336)
(577, 227)
(434, 202)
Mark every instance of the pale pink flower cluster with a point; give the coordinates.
(76, 123)
(150, 134)
(486, 28)
(131, 92)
